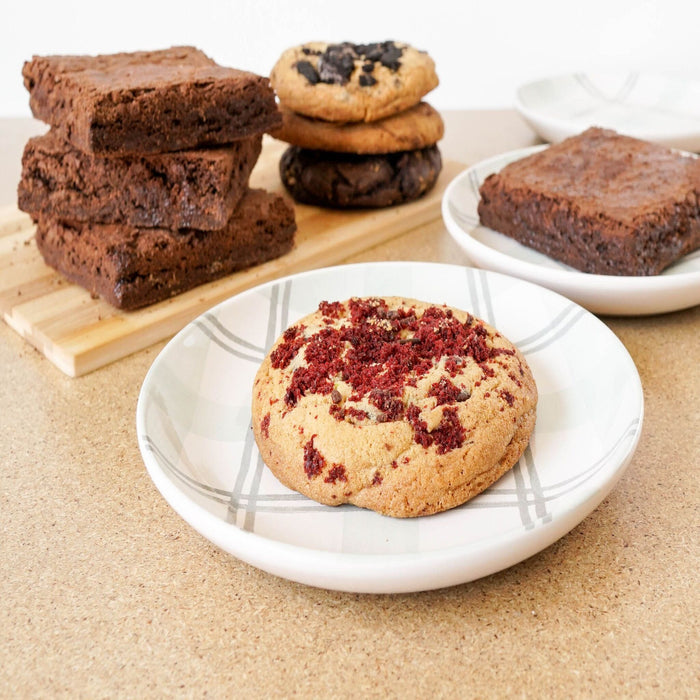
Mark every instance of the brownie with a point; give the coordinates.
(185, 189)
(348, 180)
(148, 101)
(132, 267)
(600, 202)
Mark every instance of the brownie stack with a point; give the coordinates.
(140, 188)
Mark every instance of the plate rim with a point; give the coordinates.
(541, 120)
(568, 279)
(389, 572)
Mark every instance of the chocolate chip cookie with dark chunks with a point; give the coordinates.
(347, 82)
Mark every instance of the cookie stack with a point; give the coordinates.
(140, 188)
(360, 135)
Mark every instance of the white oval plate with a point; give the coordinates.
(193, 424)
(677, 287)
(651, 106)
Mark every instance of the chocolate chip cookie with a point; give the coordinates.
(352, 82)
(346, 180)
(416, 127)
(392, 404)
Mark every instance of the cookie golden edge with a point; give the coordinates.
(441, 483)
(393, 92)
(417, 127)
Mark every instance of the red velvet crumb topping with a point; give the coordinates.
(448, 435)
(265, 425)
(507, 396)
(331, 309)
(314, 461)
(336, 473)
(447, 392)
(380, 351)
(340, 413)
(285, 352)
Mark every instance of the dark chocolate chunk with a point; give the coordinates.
(308, 71)
(390, 57)
(336, 63)
(372, 52)
(386, 52)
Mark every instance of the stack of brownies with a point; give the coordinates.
(140, 188)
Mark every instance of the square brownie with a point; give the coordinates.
(185, 189)
(148, 101)
(600, 202)
(132, 267)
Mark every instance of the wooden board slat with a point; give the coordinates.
(79, 334)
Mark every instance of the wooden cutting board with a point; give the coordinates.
(79, 334)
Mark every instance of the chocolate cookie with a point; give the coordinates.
(416, 127)
(352, 82)
(396, 405)
(346, 180)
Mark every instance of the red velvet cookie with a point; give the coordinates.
(396, 405)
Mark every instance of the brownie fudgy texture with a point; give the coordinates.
(148, 101)
(184, 189)
(347, 180)
(600, 202)
(132, 267)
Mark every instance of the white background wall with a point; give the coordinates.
(483, 49)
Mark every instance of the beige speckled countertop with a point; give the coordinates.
(106, 592)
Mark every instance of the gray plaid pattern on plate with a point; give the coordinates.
(194, 427)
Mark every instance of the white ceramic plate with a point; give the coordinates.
(678, 287)
(655, 107)
(193, 422)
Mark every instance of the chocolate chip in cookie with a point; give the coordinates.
(338, 62)
(308, 71)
